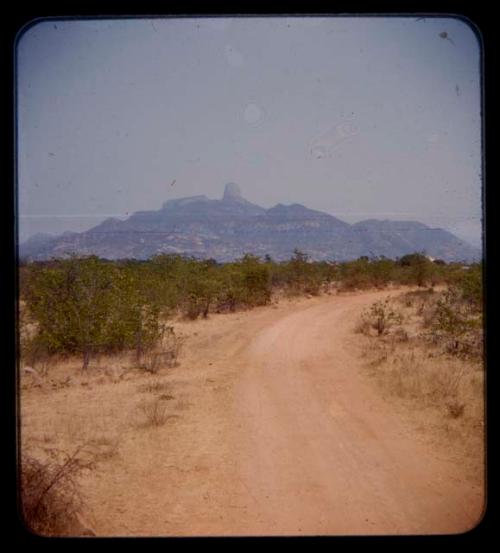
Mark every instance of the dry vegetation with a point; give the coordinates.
(51, 497)
(74, 422)
(433, 371)
(424, 348)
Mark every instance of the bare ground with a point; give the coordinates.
(273, 428)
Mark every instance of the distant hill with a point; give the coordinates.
(228, 228)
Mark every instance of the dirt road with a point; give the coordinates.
(279, 433)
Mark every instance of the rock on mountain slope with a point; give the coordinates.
(228, 228)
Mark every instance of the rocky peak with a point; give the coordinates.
(225, 229)
(232, 192)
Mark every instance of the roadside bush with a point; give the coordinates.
(89, 306)
(367, 272)
(382, 272)
(86, 306)
(305, 276)
(244, 283)
(417, 269)
(198, 285)
(412, 259)
(379, 317)
(470, 285)
(255, 281)
(50, 496)
(459, 332)
(455, 320)
(164, 354)
(355, 274)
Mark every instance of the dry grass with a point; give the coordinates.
(362, 326)
(164, 355)
(427, 383)
(97, 411)
(435, 380)
(96, 407)
(153, 413)
(105, 445)
(153, 361)
(441, 396)
(125, 439)
(155, 386)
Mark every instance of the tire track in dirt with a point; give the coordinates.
(322, 453)
(283, 435)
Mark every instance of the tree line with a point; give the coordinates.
(89, 305)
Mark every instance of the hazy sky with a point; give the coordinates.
(359, 117)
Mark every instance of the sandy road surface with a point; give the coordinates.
(282, 435)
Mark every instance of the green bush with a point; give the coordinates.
(356, 274)
(457, 324)
(301, 276)
(470, 284)
(198, 287)
(244, 283)
(88, 305)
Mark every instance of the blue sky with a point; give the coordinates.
(359, 117)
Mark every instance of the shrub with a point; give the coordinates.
(305, 276)
(381, 272)
(50, 495)
(412, 259)
(355, 274)
(244, 283)
(381, 317)
(154, 412)
(470, 285)
(152, 361)
(198, 284)
(418, 269)
(164, 354)
(255, 280)
(456, 324)
(88, 305)
(36, 354)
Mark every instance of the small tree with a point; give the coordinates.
(198, 283)
(256, 280)
(419, 266)
(381, 271)
(88, 305)
(470, 284)
(356, 273)
(304, 276)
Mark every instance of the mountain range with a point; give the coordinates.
(228, 228)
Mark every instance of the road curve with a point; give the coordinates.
(321, 453)
(274, 430)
